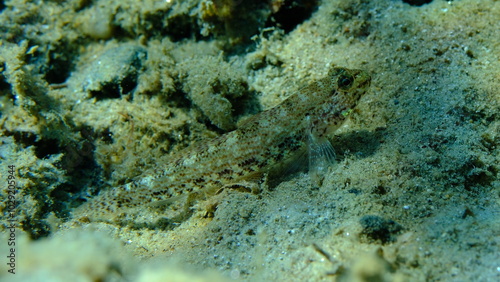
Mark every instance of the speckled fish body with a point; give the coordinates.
(259, 144)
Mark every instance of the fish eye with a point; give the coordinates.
(345, 81)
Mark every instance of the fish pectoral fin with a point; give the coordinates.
(321, 156)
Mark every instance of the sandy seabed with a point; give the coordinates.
(94, 93)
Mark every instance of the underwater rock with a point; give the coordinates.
(114, 72)
(376, 228)
(417, 2)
